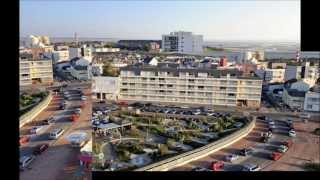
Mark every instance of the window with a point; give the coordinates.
(309, 106)
(152, 79)
(223, 88)
(124, 84)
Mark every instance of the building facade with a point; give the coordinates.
(35, 71)
(312, 99)
(165, 84)
(104, 87)
(182, 42)
(271, 75)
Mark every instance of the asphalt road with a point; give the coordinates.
(60, 160)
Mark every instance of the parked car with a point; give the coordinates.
(246, 151)
(78, 110)
(231, 157)
(83, 98)
(282, 149)
(271, 123)
(39, 149)
(216, 165)
(24, 139)
(251, 167)
(261, 117)
(56, 133)
(25, 161)
(292, 133)
(272, 126)
(35, 129)
(275, 156)
(200, 169)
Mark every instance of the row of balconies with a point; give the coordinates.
(180, 100)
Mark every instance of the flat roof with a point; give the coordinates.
(175, 69)
(109, 126)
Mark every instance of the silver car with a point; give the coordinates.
(251, 167)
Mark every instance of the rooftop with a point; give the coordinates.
(175, 69)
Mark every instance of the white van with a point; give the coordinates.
(25, 161)
(56, 133)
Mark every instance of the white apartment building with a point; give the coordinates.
(35, 71)
(167, 83)
(98, 49)
(58, 56)
(104, 87)
(271, 75)
(182, 42)
(85, 52)
(312, 99)
(303, 71)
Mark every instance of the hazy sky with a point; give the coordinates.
(215, 20)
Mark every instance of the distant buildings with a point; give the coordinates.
(182, 42)
(139, 44)
(39, 41)
(34, 71)
(83, 52)
(254, 56)
(172, 83)
(102, 50)
(271, 75)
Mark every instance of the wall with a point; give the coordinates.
(198, 153)
(29, 116)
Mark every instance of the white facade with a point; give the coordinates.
(189, 87)
(81, 69)
(312, 101)
(105, 49)
(84, 52)
(62, 55)
(271, 75)
(183, 42)
(105, 87)
(254, 56)
(32, 71)
(292, 100)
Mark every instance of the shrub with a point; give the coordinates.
(312, 166)
(317, 131)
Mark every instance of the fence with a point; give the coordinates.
(198, 153)
(30, 115)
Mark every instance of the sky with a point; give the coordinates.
(129, 19)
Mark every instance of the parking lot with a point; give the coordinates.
(156, 132)
(60, 160)
(305, 149)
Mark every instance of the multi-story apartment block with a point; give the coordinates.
(302, 71)
(35, 71)
(183, 42)
(84, 51)
(271, 75)
(170, 83)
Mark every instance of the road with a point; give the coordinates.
(305, 149)
(60, 161)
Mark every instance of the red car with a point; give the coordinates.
(122, 103)
(216, 165)
(74, 117)
(24, 139)
(275, 156)
(40, 149)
